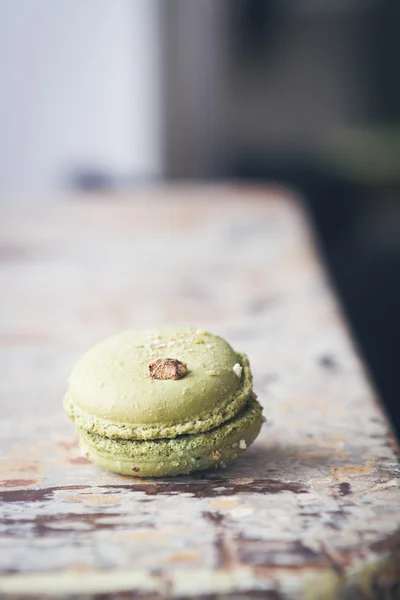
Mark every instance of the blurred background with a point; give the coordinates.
(105, 94)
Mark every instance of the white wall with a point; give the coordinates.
(79, 86)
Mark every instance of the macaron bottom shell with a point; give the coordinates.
(177, 456)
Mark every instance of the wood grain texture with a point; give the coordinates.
(311, 510)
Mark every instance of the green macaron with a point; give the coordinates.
(163, 401)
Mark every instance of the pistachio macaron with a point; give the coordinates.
(163, 401)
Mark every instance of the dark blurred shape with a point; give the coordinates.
(92, 180)
(98, 180)
(385, 61)
(255, 25)
(367, 272)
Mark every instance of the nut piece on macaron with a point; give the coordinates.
(167, 368)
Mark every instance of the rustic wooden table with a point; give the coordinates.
(311, 511)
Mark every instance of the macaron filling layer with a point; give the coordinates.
(178, 455)
(224, 411)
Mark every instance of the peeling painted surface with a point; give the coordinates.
(312, 508)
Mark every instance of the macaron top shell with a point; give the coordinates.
(112, 393)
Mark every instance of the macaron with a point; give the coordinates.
(163, 401)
